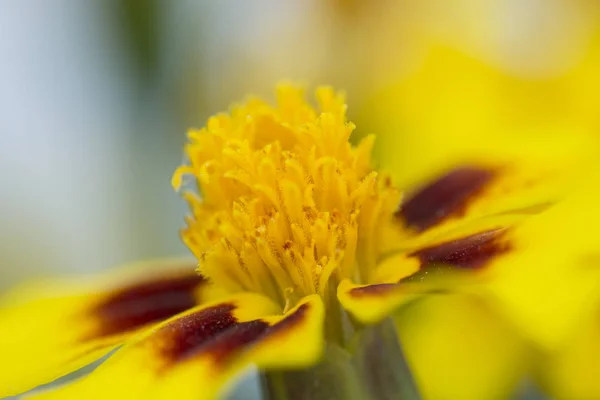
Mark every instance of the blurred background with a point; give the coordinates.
(95, 98)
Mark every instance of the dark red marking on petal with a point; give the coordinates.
(385, 288)
(234, 339)
(288, 322)
(373, 290)
(446, 196)
(470, 252)
(226, 344)
(184, 336)
(216, 333)
(144, 303)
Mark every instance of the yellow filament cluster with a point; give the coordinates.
(284, 204)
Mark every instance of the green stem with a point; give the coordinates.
(380, 362)
(375, 370)
(335, 378)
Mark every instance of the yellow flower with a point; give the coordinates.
(301, 245)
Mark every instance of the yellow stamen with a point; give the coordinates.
(286, 206)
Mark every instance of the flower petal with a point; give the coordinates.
(543, 291)
(192, 355)
(469, 192)
(544, 273)
(370, 304)
(550, 278)
(459, 348)
(436, 117)
(572, 372)
(447, 195)
(50, 329)
(439, 267)
(539, 273)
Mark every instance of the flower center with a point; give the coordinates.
(284, 204)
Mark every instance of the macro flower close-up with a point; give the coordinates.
(424, 231)
(301, 245)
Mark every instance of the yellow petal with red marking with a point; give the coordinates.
(538, 273)
(193, 355)
(451, 265)
(370, 304)
(472, 191)
(541, 271)
(50, 329)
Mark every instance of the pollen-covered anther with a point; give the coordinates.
(286, 205)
